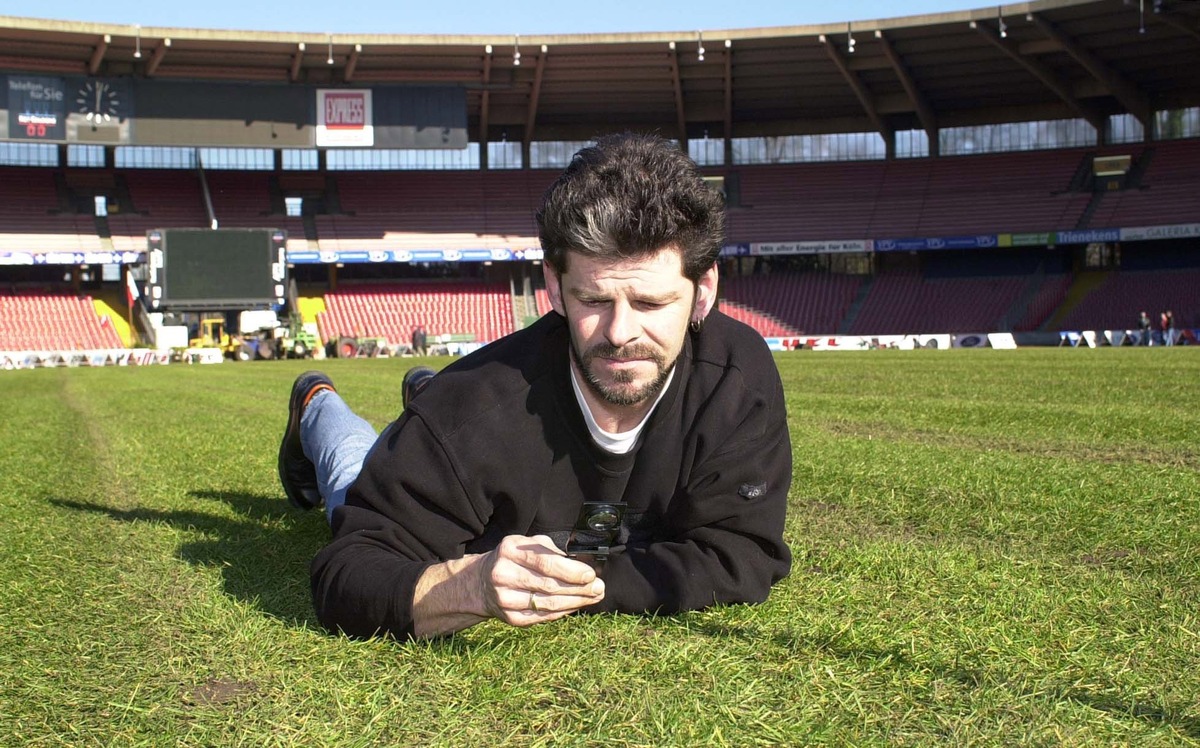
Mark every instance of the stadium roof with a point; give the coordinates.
(1048, 59)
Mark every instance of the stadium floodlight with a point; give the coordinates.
(1141, 16)
(329, 59)
(137, 42)
(1003, 26)
(700, 51)
(849, 38)
(516, 50)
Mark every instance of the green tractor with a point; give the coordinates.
(281, 341)
(295, 341)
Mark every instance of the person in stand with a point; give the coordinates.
(628, 452)
(1167, 323)
(1143, 324)
(419, 340)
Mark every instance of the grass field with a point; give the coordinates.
(991, 548)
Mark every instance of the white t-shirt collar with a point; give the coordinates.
(622, 443)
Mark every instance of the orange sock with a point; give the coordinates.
(314, 391)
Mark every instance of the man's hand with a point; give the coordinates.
(525, 580)
(529, 581)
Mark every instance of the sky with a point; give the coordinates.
(478, 17)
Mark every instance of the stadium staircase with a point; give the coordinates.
(1020, 306)
(1045, 301)
(1137, 172)
(1081, 180)
(310, 307)
(542, 301)
(763, 323)
(855, 307)
(112, 305)
(1084, 284)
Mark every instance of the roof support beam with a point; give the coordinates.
(297, 59)
(160, 52)
(534, 94)
(919, 102)
(352, 63)
(677, 86)
(98, 54)
(1178, 22)
(728, 56)
(485, 97)
(1043, 74)
(864, 96)
(1133, 99)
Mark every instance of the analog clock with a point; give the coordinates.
(97, 101)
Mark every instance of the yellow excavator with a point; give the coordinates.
(212, 334)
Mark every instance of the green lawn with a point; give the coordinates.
(991, 548)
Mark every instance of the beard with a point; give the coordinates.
(622, 390)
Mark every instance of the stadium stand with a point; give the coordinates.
(908, 303)
(35, 218)
(1115, 303)
(794, 302)
(800, 163)
(391, 310)
(158, 199)
(42, 320)
(765, 324)
(961, 195)
(1166, 193)
(414, 210)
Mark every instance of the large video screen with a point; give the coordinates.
(218, 269)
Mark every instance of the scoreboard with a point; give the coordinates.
(215, 269)
(37, 109)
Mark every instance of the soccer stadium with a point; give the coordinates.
(990, 547)
(1028, 172)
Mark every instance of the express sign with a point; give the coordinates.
(344, 118)
(346, 111)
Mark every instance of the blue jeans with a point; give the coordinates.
(337, 441)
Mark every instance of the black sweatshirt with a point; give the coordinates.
(496, 445)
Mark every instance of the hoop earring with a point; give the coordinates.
(696, 325)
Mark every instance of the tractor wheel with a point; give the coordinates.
(347, 348)
(299, 350)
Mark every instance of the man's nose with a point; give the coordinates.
(622, 326)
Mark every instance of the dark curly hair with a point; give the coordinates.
(631, 195)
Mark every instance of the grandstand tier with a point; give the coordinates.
(482, 311)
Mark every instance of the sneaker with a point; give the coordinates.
(414, 381)
(297, 473)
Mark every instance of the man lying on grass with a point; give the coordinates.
(628, 452)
